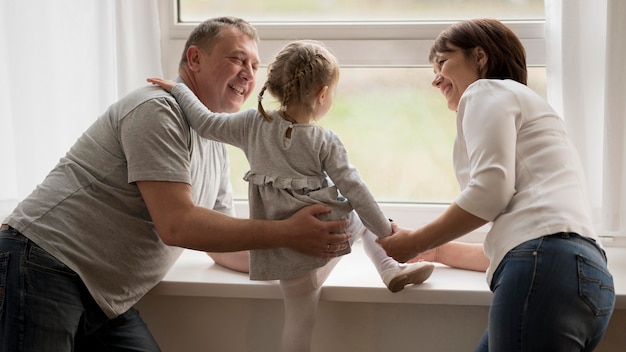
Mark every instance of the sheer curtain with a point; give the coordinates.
(586, 52)
(62, 63)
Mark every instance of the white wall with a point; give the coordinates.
(196, 324)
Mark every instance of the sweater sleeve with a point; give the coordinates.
(351, 185)
(222, 127)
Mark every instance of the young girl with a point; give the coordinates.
(294, 163)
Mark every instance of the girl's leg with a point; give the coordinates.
(396, 276)
(301, 297)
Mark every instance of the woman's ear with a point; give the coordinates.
(481, 58)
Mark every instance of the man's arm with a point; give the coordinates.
(181, 223)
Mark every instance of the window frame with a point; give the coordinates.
(356, 44)
(347, 38)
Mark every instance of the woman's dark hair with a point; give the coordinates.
(506, 58)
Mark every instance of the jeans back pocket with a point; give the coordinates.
(595, 286)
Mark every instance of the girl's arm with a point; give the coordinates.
(194, 110)
(222, 127)
(349, 183)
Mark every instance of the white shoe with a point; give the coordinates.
(406, 274)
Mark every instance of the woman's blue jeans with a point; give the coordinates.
(553, 293)
(44, 306)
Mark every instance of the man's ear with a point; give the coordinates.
(194, 55)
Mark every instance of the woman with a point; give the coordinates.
(517, 169)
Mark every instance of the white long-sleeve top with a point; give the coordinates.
(517, 167)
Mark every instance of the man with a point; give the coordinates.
(112, 217)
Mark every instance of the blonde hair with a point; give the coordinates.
(297, 74)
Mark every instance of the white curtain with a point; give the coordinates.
(586, 56)
(62, 63)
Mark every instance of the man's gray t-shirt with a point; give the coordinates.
(89, 213)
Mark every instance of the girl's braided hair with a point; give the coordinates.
(297, 74)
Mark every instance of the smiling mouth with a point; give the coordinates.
(236, 89)
(445, 90)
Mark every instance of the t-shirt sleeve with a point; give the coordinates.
(224, 199)
(489, 128)
(156, 142)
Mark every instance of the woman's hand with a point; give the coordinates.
(402, 245)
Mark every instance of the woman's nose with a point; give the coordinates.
(437, 81)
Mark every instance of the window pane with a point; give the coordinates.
(397, 129)
(353, 10)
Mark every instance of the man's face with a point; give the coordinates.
(225, 77)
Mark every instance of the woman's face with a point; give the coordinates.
(454, 72)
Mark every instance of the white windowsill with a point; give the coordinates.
(354, 279)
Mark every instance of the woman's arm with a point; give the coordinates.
(406, 244)
(469, 256)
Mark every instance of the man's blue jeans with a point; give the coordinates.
(553, 293)
(44, 306)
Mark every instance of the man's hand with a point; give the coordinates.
(311, 236)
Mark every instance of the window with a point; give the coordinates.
(351, 10)
(396, 127)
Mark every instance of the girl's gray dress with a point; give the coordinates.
(287, 174)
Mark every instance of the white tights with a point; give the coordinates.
(301, 295)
